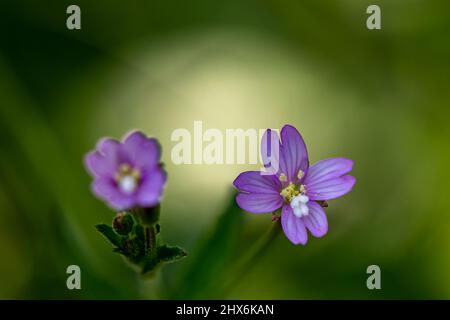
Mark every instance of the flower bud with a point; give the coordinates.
(123, 223)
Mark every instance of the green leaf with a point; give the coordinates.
(134, 249)
(164, 254)
(141, 246)
(111, 235)
(170, 253)
(209, 261)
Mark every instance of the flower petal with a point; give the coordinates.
(259, 202)
(316, 220)
(106, 189)
(328, 169)
(293, 226)
(98, 165)
(255, 182)
(108, 147)
(143, 152)
(151, 188)
(293, 153)
(330, 189)
(270, 151)
(112, 150)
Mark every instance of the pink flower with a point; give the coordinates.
(127, 174)
(296, 188)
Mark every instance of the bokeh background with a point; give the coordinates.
(378, 97)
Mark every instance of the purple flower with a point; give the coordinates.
(296, 188)
(127, 174)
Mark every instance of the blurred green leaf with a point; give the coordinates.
(170, 253)
(141, 245)
(164, 254)
(111, 235)
(211, 258)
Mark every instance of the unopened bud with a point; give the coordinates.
(123, 223)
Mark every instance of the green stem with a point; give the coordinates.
(150, 238)
(256, 252)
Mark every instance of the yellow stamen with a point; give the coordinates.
(136, 174)
(124, 168)
(282, 177)
(289, 192)
(300, 174)
(302, 189)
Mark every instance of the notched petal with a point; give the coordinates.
(293, 155)
(330, 189)
(328, 169)
(293, 226)
(254, 181)
(259, 202)
(316, 221)
(142, 151)
(98, 165)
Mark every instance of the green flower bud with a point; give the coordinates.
(123, 223)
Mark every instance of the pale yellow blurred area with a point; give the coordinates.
(227, 80)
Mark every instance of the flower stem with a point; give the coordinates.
(256, 252)
(150, 237)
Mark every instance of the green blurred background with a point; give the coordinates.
(378, 97)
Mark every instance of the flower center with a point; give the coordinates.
(127, 178)
(296, 196)
(289, 192)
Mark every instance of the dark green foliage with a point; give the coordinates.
(170, 254)
(116, 239)
(139, 240)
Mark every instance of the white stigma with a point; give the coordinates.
(127, 184)
(299, 205)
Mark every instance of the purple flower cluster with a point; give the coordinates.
(127, 174)
(296, 188)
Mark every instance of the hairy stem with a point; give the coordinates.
(150, 239)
